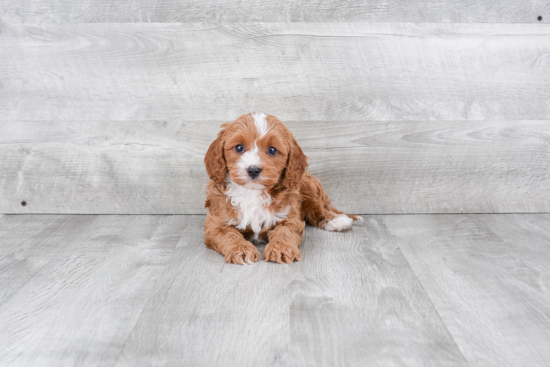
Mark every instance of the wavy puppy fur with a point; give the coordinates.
(259, 190)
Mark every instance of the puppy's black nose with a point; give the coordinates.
(254, 171)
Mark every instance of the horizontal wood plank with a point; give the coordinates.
(97, 11)
(296, 71)
(156, 167)
(489, 279)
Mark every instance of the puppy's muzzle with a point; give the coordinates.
(254, 171)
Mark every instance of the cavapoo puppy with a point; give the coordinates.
(259, 190)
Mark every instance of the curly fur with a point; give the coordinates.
(275, 205)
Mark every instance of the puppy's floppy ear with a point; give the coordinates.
(296, 165)
(214, 159)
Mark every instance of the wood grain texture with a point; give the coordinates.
(73, 286)
(415, 290)
(489, 279)
(352, 301)
(156, 167)
(296, 71)
(29, 244)
(82, 11)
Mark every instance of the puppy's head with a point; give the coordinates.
(257, 151)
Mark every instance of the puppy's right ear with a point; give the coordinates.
(214, 159)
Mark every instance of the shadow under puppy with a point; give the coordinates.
(259, 190)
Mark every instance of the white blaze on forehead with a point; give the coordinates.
(260, 122)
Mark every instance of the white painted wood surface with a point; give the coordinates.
(104, 11)
(156, 167)
(488, 276)
(296, 71)
(414, 290)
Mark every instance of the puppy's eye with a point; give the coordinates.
(272, 151)
(239, 148)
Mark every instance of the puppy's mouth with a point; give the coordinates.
(251, 177)
(243, 179)
(253, 182)
(254, 186)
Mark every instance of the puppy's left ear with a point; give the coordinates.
(214, 160)
(296, 165)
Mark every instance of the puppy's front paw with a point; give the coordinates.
(279, 252)
(242, 253)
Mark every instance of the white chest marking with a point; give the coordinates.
(253, 209)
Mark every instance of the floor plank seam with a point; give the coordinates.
(432, 303)
(132, 330)
(152, 294)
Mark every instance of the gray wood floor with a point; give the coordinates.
(401, 290)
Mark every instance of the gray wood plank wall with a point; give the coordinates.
(424, 117)
(156, 167)
(120, 11)
(295, 71)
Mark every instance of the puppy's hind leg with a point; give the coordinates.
(317, 209)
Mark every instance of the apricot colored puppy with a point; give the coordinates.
(259, 190)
